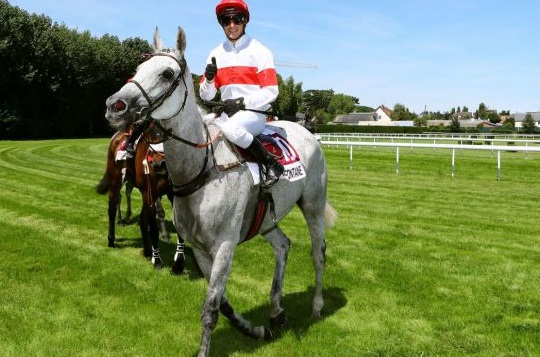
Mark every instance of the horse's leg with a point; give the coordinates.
(113, 206)
(150, 235)
(129, 190)
(160, 216)
(314, 215)
(179, 256)
(216, 271)
(281, 244)
(154, 237)
(144, 224)
(119, 220)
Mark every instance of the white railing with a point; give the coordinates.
(522, 139)
(453, 147)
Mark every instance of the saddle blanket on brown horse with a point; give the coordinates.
(121, 153)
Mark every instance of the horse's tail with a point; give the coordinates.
(103, 186)
(330, 215)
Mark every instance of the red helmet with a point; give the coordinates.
(232, 7)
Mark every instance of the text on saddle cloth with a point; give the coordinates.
(283, 151)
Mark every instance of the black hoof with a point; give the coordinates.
(177, 268)
(158, 264)
(279, 321)
(268, 335)
(111, 244)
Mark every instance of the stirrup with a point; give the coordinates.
(271, 175)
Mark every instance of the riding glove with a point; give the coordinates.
(211, 70)
(232, 106)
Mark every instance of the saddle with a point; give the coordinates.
(268, 142)
(155, 155)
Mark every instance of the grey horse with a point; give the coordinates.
(216, 193)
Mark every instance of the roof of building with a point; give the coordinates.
(354, 118)
(521, 116)
(386, 110)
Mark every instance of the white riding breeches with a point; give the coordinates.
(242, 127)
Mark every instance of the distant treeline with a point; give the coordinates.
(54, 80)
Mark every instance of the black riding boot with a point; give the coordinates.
(130, 147)
(138, 129)
(272, 170)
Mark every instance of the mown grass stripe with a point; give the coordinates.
(419, 263)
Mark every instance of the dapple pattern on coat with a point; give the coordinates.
(217, 216)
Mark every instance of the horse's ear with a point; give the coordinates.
(158, 44)
(181, 40)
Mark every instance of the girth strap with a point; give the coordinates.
(265, 201)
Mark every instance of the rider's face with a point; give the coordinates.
(233, 29)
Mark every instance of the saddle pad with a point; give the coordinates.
(121, 153)
(294, 170)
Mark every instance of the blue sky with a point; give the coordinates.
(434, 54)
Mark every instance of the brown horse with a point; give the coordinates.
(147, 172)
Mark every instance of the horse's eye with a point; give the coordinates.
(168, 74)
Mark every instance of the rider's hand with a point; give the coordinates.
(232, 106)
(211, 70)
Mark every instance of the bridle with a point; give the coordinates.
(145, 112)
(145, 115)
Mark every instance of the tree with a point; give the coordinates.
(315, 104)
(493, 117)
(402, 113)
(455, 127)
(290, 96)
(481, 112)
(528, 125)
(421, 120)
(341, 104)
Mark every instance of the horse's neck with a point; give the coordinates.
(184, 161)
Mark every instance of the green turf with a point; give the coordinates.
(420, 263)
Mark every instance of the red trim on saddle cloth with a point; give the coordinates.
(269, 143)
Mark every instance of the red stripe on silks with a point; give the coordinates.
(268, 77)
(246, 75)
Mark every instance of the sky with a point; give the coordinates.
(430, 55)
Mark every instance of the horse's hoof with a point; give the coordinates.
(111, 245)
(279, 321)
(157, 263)
(268, 335)
(177, 268)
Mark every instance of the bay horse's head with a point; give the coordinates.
(157, 89)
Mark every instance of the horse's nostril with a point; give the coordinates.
(120, 105)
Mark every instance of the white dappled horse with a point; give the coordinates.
(216, 195)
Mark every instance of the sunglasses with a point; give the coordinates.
(226, 20)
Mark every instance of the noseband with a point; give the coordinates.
(145, 112)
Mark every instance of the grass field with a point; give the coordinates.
(419, 263)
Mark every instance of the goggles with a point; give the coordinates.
(225, 20)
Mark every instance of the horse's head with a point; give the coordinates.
(158, 88)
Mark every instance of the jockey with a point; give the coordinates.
(243, 70)
(137, 129)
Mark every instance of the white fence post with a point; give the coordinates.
(453, 161)
(397, 160)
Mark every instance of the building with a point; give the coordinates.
(379, 117)
(519, 117)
